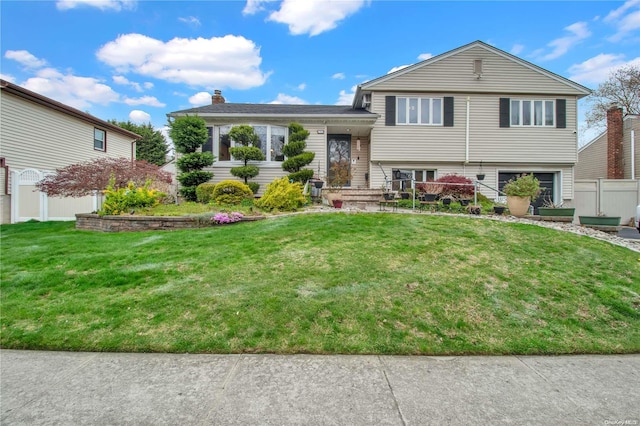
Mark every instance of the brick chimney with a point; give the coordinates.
(615, 159)
(217, 97)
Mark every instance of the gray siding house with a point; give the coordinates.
(39, 135)
(615, 153)
(470, 108)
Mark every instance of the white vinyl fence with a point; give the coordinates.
(28, 203)
(612, 197)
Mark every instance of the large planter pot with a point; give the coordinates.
(600, 220)
(560, 211)
(518, 206)
(337, 204)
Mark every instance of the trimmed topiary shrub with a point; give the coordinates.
(255, 187)
(297, 157)
(231, 192)
(282, 195)
(246, 150)
(204, 192)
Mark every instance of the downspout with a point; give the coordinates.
(633, 154)
(466, 142)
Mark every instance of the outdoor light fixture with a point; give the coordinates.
(358, 143)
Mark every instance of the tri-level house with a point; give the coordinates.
(39, 135)
(475, 108)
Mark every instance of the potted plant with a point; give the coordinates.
(339, 176)
(600, 219)
(446, 200)
(499, 208)
(429, 190)
(520, 192)
(550, 209)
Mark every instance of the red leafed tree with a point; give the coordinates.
(79, 180)
(456, 190)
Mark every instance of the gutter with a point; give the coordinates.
(633, 154)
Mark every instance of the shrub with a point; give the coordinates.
(525, 185)
(297, 157)
(231, 192)
(282, 195)
(456, 191)
(254, 186)
(123, 200)
(193, 179)
(81, 179)
(204, 192)
(194, 161)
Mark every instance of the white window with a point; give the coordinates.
(403, 178)
(271, 141)
(425, 111)
(532, 112)
(99, 139)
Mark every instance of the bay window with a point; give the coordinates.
(271, 140)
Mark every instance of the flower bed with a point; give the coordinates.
(93, 222)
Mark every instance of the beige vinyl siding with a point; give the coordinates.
(455, 74)
(631, 123)
(37, 137)
(564, 174)
(487, 140)
(592, 159)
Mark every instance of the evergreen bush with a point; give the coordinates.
(282, 195)
(231, 192)
(297, 157)
(204, 192)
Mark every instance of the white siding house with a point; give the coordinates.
(39, 135)
(475, 106)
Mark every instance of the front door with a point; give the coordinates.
(339, 160)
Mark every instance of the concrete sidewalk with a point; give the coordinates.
(43, 388)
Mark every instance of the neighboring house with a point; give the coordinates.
(475, 106)
(614, 154)
(39, 135)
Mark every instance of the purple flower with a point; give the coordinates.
(222, 218)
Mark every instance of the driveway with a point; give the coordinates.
(629, 233)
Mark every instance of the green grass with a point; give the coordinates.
(320, 283)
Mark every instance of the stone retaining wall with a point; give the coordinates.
(93, 222)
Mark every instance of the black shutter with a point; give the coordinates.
(390, 111)
(561, 113)
(504, 112)
(208, 146)
(448, 112)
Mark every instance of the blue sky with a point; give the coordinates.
(139, 60)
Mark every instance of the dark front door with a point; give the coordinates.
(546, 186)
(339, 160)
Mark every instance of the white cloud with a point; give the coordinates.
(302, 86)
(118, 79)
(190, 20)
(517, 49)
(338, 76)
(138, 116)
(597, 69)
(346, 98)
(116, 5)
(624, 24)
(148, 85)
(424, 56)
(145, 100)
(25, 58)
(7, 77)
(579, 32)
(254, 6)
(78, 92)
(314, 16)
(394, 69)
(229, 61)
(286, 99)
(200, 98)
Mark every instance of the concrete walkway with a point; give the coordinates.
(47, 388)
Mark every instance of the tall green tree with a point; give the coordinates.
(248, 151)
(152, 147)
(297, 157)
(189, 133)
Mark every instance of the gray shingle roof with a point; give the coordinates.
(276, 109)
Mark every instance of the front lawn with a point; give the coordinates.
(320, 283)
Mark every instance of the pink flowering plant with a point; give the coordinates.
(223, 218)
